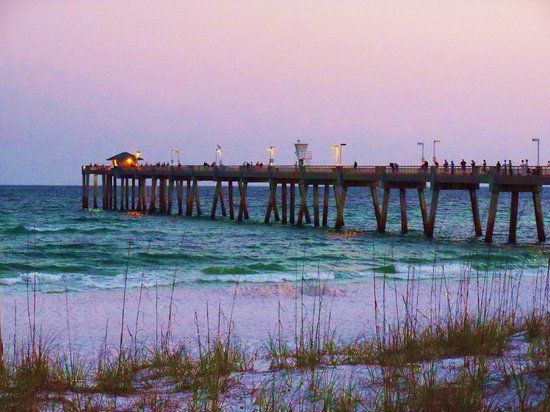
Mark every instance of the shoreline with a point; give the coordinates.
(255, 310)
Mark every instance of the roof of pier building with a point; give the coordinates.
(124, 158)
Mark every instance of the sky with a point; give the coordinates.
(83, 80)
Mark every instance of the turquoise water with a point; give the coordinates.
(46, 236)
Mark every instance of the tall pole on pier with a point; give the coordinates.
(341, 146)
(338, 151)
(537, 140)
(174, 151)
(218, 154)
(422, 144)
(271, 150)
(435, 141)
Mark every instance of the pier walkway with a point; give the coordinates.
(150, 188)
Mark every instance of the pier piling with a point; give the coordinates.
(292, 203)
(491, 217)
(403, 203)
(538, 215)
(326, 194)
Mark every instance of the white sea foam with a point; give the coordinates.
(271, 277)
(40, 277)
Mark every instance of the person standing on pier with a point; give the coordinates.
(473, 164)
(484, 167)
(505, 167)
(445, 166)
(452, 167)
(498, 166)
(463, 166)
(510, 167)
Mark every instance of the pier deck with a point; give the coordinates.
(125, 188)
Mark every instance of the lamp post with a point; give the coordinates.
(435, 141)
(218, 154)
(338, 153)
(336, 149)
(174, 151)
(271, 150)
(422, 144)
(537, 140)
(341, 146)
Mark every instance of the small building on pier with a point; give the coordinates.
(125, 159)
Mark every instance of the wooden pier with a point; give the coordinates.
(126, 188)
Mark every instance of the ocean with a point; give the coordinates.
(46, 237)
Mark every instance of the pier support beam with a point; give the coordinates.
(384, 212)
(284, 210)
(340, 196)
(514, 201)
(433, 212)
(376, 206)
(243, 208)
(538, 216)
(85, 191)
(127, 194)
(103, 192)
(122, 192)
(231, 200)
(140, 193)
(196, 197)
(304, 211)
(179, 194)
(170, 195)
(95, 191)
(144, 195)
(292, 203)
(423, 209)
(326, 194)
(403, 203)
(114, 201)
(153, 201)
(162, 195)
(133, 193)
(188, 199)
(218, 195)
(491, 217)
(110, 184)
(316, 205)
(475, 213)
(272, 202)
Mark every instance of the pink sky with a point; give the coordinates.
(80, 81)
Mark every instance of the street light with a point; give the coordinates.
(338, 152)
(271, 150)
(174, 151)
(536, 139)
(435, 141)
(422, 144)
(218, 154)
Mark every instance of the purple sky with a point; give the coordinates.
(82, 80)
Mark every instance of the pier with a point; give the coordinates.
(153, 189)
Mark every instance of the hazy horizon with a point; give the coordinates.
(81, 81)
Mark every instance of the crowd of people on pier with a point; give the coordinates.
(504, 168)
